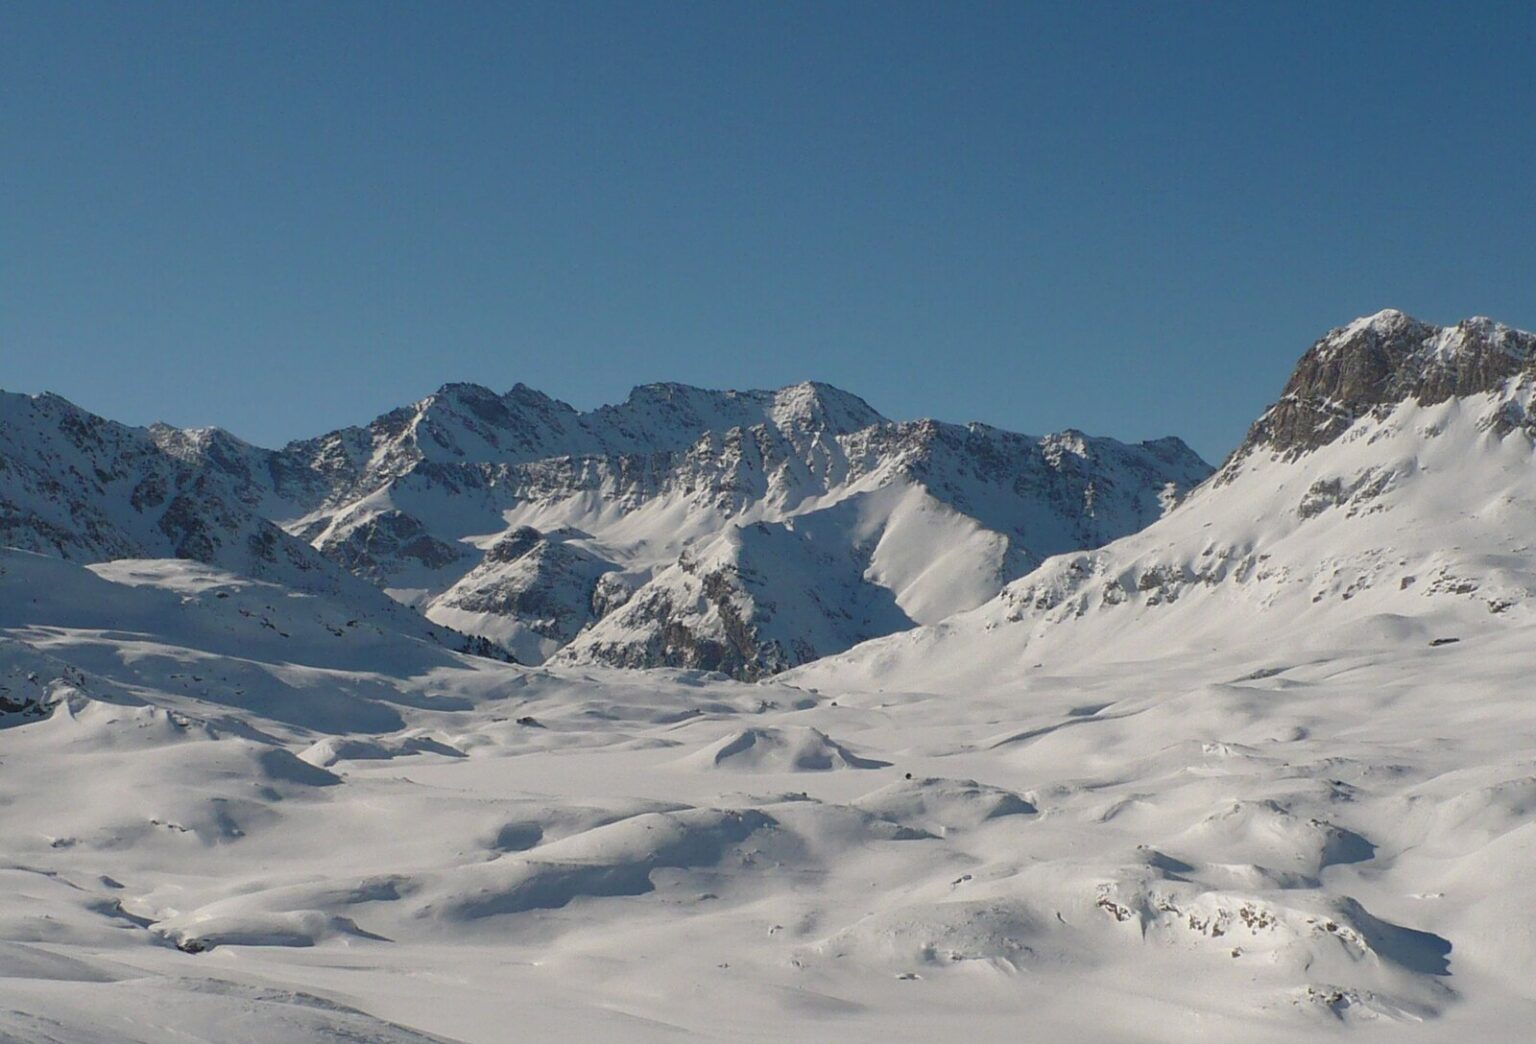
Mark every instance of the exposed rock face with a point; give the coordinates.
(532, 591)
(376, 548)
(1380, 361)
(744, 532)
(757, 600)
(76, 486)
(1348, 515)
(738, 531)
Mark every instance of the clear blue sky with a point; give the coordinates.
(1124, 218)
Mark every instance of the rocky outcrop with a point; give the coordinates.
(742, 532)
(376, 548)
(532, 591)
(542, 527)
(75, 485)
(1380, 361)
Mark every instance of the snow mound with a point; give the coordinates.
(295, 928)
(1267, 834)
(281, 915)
(613, 860)
(941, 805)
(940, 934)
(332, 749)
(788, 748)
(1302, 930)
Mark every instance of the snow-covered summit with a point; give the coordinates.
(665, 411)
(1260, 770)
(1393, 482)
(622, 496)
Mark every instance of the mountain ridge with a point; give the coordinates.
(1389, 482)
(415, 500)
(1380, 360)
(684, 527)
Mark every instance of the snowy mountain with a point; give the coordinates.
(75, 485)
(1261, 771)
(80, 487)
(1301, 695)
(1393, 479)
(745, 532)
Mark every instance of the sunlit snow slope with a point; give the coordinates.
(1264, 771)
(1391, 490)
(637, 534)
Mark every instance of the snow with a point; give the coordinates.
(1260, 771)
(440, 844)
(935, 516)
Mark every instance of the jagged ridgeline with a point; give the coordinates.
(745, 532)
(1260, 770)
(76, 486)
(1390, 486)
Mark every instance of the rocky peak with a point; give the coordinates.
(469, 422)
(812, 404)
(461, 404)
(1379, 361)
(680, 413)
(1069, 442)
(514, 545)
(522, 397)
(214, 446)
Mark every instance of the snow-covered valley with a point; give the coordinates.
(1259, 767)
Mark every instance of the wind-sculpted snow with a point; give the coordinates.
(787, 749)
(942, 805)
(1260, 772)
(1253, 842)
(613, 860)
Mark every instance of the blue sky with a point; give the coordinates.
(1128, 219)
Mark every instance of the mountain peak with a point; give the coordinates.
(464, 391)
(804, 406)
(833, 407)
(524, 395)
(1379, 361)
(1387, 319)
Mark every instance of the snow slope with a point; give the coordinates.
(1261, 772)
(633, 534)
(228, 831)
(1346, 508)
